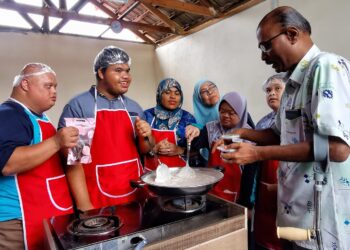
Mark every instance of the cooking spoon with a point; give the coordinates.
(187, 171)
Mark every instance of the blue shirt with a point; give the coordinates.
(16, 130)
(186, 119)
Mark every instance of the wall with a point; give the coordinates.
(72, 59)
(227, 52)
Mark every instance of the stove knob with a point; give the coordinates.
(138, 242)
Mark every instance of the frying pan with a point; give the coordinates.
(205, 179)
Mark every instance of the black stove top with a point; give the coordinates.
(134, 224)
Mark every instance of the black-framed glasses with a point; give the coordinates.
(209, 90)
(266, 46)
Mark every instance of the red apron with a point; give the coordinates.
(115, 160)
(43, 193)
(266, 208)
(151, 163)
(228, 188)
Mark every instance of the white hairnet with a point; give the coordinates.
(38, 68)
(110, 55)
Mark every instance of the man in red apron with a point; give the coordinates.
(114, 151)
(33, 184)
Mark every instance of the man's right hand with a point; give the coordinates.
(67, 137)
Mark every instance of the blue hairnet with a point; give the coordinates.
(110, 55)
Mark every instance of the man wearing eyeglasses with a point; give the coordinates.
(311, 133)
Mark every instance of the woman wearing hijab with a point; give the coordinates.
(238, 182)
(206, 99)
(168, 122)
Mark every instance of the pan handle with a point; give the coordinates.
(137, 183)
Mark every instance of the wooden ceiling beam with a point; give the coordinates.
(74, 9)
(145, 27)
(141, 17)
(143, 36)
(112, 14)
(103, 8)
(128, 10)
(46, 26)
(173, 25)
(72, 15)
(48, 3)
(236, 9)
(63, 5)
(182, 6)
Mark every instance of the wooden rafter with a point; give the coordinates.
(72, 15)
(103, 8)
(238, 8)
(155, 21)
(182, 6)
(45, 25)
(75, 8)
(174, 26)
(112, 14)
(49, 3)
(26, 17)
(63, 5)
(128, 10)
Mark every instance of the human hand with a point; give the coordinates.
(244, 153)
(269, 187)
(165, 147)
(217, 143)
(67, 137)
(143, 129)
(191, 132)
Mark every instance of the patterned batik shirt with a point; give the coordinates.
(266, 122)
(316, 99)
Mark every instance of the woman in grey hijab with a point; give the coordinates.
(238, 182)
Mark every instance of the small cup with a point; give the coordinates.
(228, 139)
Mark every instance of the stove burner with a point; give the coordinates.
(94, 226)
(183, 204)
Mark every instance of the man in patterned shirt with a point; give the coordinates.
(315, 104)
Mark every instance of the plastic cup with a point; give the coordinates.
(228, 139)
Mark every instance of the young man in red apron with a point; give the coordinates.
(114, 151)
(33, 184)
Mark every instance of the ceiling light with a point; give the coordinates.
(116, 26)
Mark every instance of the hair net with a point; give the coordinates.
(36, 69)
(110, 55)
(280, 77)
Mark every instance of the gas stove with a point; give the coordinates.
(132, 226)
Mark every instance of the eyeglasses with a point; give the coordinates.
(208, 91)
(267, 45)
(230, 113)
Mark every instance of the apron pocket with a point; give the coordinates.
(57, 188)
(113, 179)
